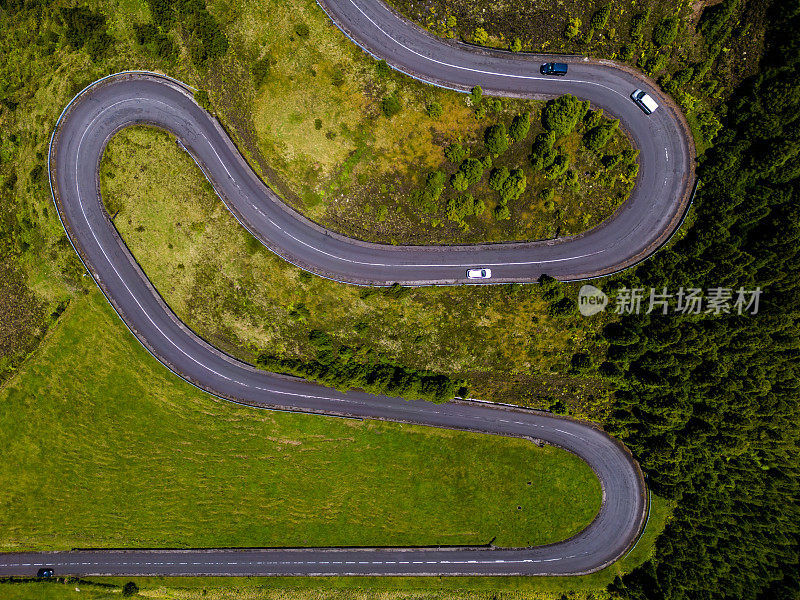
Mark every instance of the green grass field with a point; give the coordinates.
(102, 446)
(240, 297)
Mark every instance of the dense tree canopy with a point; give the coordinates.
(709, 403)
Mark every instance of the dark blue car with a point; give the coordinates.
(554, 68)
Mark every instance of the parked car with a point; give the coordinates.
(645, 102)
(554, 68)
(45, 573)
(479, 273)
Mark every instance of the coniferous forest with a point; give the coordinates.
(709, 404)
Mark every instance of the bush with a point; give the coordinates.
(497, 178)
(476, 94)
(609, 161)
(542, 153)
(432, 191)
(302, 30)
(472, 169)
(520, 127)
(600, 17)
(496, 139)
(390, 106)
(382, 69)
(501, 212)
(130, 589)
(573, 28)
(715, 21)
(513, 186)
(557, 168)
(637, 25)
(666, 31)
(581, 362)
(597, 137)
(456, 153)
(587, 37)
(516, 45)
(480, 36)
(562, 114)
(261, 69)
(460, 207)
(626, 52)
(435, 110)
(459, 181)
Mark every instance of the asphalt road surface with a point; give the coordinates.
(635, 231)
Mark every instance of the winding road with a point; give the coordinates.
(637, 229)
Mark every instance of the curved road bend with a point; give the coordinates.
(644, 222)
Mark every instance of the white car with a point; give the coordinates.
(479, 273)
(643, 101)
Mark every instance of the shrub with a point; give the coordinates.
(486, 161)
(562, 114)
(558, 167)
(460, 207)
(459, 181)
(609, 161)
(382, 69)
(498, 177)
(715, 21)
(631, 170)
(626, 52)
(390, 105)
(496, 139)
(261, 69)
(580, 362)
(666, 31)
(513, 186)
(588, 36)
(542, 153)
(597, 137)
(593, 118)
(434, 186)
(435, 110)
(573, 28)
(480, 112)
(472, 169)
(501, 212)
(476, 94)
(709, 125)
(130, 589)
(600, 17)
(520, 127)
(637, 25)
(629, 155)
(480, 36)
(302, 30)
(683, 76)
(456, 153)
(516, 45)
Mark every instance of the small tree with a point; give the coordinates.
(520, 127)
(476, 94)
(600, 17)
(435, 110)
(573, 28)
(498, 177)
(562, 114)
(390, 106)
(472, 169)
(456, 153)
(496, 139)
(480, 36)
(130, 589)
(666, 31)
(596, 138)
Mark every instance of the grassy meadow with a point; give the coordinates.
(240, 297)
